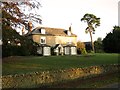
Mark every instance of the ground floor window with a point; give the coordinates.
(73, 50)
(46, 51)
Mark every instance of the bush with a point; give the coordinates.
(83, 51)
(10, 45)
(81, 48)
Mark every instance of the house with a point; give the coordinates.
(60, 40)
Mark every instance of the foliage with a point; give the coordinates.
(88, 47)
(14, 44)
(14, 16)
(83, 51)
(111, 42)
(81, 48)
(92, 22)
(98, 45)
(80, 44)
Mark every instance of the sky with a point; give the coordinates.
(63, 13)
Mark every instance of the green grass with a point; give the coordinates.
(19, 65)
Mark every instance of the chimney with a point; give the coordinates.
(69, 31)
(30, 26)
(70, 28)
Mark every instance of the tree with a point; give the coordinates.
(14, 16)
(81, 48)
(92, 22)
(15, 44)
(111, 42)
(98, 45)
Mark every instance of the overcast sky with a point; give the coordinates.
(61, 13)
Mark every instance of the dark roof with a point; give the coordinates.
(56, 46)
(69, 45)
(51, 31)
(44, 45)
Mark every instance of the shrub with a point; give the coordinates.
(81, 48)
(83, 51)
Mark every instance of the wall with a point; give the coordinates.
(40, 78)
(50, 40)
(36, 38)
(64, 40)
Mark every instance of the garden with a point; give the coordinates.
(53, 71)
(26, 64)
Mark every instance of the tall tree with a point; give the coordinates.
(92, 22)
(111, 42)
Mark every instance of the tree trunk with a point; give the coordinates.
(92, 41)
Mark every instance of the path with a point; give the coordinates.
(115, 85)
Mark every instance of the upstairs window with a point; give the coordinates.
(42, 31)
(43, 40)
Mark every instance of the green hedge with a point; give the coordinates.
(9, 50)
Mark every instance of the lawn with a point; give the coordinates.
(19, 65)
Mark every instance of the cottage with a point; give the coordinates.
(59, 39)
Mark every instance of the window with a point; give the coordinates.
(73, 50)
(42, 31)
(46, 51)
(43, 40)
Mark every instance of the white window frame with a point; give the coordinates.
(73, 51)
(46, 51)
(42, 31)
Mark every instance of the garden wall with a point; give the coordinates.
(37, 79)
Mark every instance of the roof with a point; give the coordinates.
(70, 45)
(43, 45)
(56, 46)
(52, 31)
